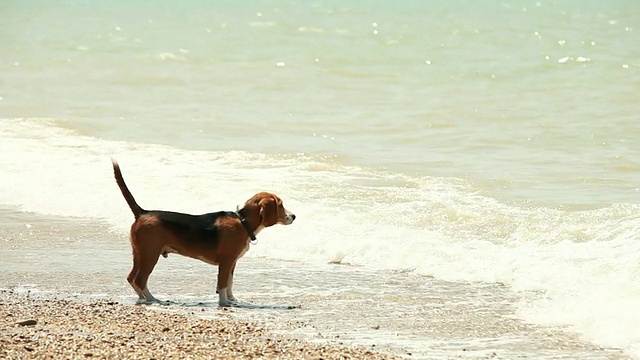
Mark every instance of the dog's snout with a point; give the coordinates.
(289, 217)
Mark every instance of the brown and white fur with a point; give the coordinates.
(218, 238)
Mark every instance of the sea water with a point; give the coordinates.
(476, 153)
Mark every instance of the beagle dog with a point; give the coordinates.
(218, 238)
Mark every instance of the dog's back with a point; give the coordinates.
(199, 230)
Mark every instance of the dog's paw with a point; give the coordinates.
(229, 303)
(147, 301)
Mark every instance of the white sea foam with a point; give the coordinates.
(580, 268)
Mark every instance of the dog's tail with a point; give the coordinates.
(135, 208)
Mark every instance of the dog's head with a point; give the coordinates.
(270, 209)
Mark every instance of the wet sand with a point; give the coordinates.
(36, 328)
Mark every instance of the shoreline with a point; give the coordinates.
(52, 263)
(38, 328)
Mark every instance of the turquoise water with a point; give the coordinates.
(491, 142)
(532, 100)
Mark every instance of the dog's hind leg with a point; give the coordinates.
(134, 274)
(147, 263)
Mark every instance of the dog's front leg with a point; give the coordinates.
(230, 284)
(224, 273)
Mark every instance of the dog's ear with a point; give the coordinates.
(279, 209)
(268, 211)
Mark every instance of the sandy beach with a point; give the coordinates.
(40, 328)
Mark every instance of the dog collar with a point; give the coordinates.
(246, 225)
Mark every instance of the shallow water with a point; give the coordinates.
(409, 314)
